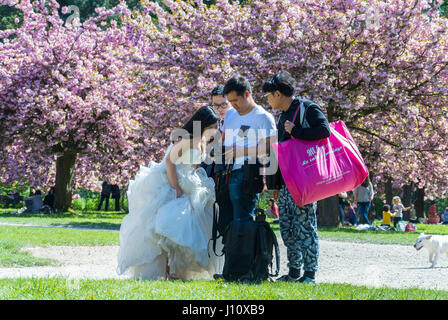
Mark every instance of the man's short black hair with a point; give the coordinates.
(282, 81)
(239, 84)
(218, 90)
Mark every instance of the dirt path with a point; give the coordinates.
(375, 265)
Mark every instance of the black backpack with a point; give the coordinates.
(248, 250)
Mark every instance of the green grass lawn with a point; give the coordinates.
(73, 289)
(87, 219)
(112, 221)
(39, 236)
(350, 234)
(14, 238)
(12, 256)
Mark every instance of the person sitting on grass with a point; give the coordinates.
(33, 203)
(413, 216)
(387, 215)
(13, 199)
(48, 206)
(444, 216)
(350, 218)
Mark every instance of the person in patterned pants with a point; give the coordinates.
(298, 228)
(298, 225)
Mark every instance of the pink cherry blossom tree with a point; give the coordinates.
(66, 103)
(100, 101)
(379, 65)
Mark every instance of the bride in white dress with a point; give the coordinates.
(165, 235)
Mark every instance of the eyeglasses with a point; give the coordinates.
(266, 95)
(221, 105)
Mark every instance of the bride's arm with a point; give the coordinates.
(175, 153)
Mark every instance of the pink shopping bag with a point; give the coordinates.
(315, 170)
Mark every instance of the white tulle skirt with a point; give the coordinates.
(161, 228)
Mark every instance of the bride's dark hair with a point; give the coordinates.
(206, 115)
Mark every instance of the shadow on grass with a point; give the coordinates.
(88, 225)
(8, 213)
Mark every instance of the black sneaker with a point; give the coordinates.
(218, 276)
(287, 278)
(305, 279)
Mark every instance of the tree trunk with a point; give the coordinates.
(65, 169)
(328, 212)
(329, 207)
(388, 191)
(407, 197)
(124, 196)
(420, 203)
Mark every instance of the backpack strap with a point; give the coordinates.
(263, 247)
(277, 252)
(215, 235)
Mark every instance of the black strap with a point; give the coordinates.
(215, 235)
(263, 247)
(277, 253)
(210, 169)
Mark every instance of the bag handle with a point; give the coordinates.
(302, 110)
(295, 114)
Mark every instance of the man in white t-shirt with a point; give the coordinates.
(246, 132)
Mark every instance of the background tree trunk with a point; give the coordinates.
(328, 212)
(329, 207)
(407, 198)
(388, 191)
(124, 196)
(65, 169)
(420, 203)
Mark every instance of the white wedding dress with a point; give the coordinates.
(161, 227)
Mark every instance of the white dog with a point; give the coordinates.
(434, 244)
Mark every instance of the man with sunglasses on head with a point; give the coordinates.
(298, 224)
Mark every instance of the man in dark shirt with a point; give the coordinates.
(298, 224)
(105, 195)
(49, 199)
(13, 198)
(115, 192)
